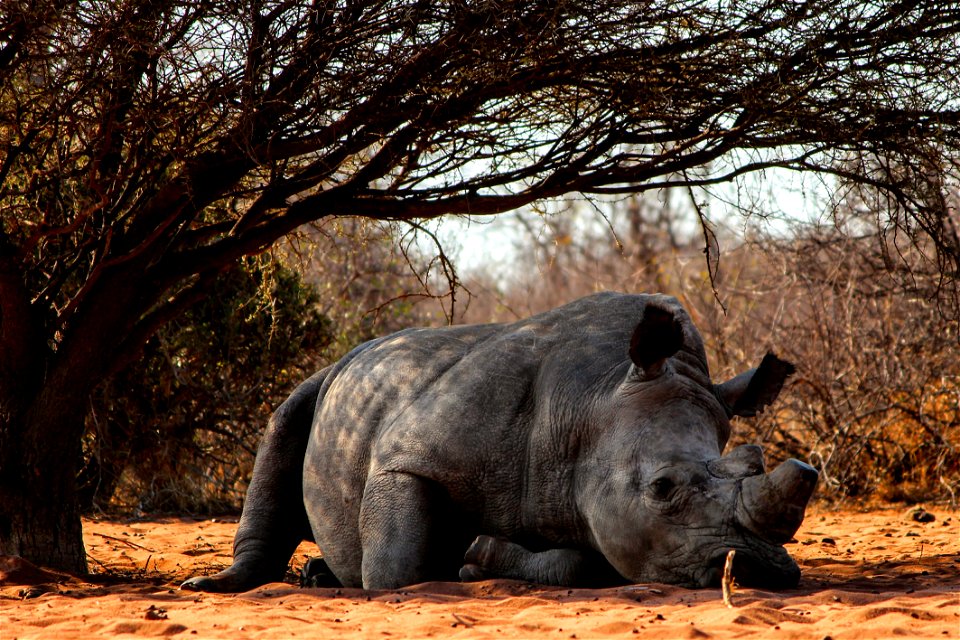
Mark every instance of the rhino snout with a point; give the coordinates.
(772, 505)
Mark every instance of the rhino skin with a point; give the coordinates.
(581, 446)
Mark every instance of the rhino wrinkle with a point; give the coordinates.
(582, 446)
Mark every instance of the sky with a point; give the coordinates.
(783, 197)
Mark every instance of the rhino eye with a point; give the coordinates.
(662, 488)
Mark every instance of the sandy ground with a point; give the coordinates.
(873, 574)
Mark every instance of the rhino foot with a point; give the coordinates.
(489, 557)
(240, 576)
(203, 583)
(223, 582)
(316, 574)
(487, 551)
(472, 573)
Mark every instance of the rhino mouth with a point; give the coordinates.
(771, 569)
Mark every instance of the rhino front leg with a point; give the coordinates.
(406, 532)
(393, 537)
(490, 557)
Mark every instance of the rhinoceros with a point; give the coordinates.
(581, 446)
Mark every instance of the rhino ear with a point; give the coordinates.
(747, 394)
(658, 336)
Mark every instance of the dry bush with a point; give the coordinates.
(177, 430)
(373, 277)
(566, 250)
(875, 403)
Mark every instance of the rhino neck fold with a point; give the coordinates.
(548, 504)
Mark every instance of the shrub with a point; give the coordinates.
(177, 431)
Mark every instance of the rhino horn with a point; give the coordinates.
(658, 335)
(772, 505)
(745, 460)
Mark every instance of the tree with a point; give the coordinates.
(147, 145)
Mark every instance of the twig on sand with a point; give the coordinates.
(105, 568)
(121, 540)
(726, 583)
(468, 623)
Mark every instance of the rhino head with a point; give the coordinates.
(659, 500)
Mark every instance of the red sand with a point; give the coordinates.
(876, 574)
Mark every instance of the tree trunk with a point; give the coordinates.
(39, 506)
(43, 529)
(44, 400)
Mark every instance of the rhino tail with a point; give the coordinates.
(274, 520)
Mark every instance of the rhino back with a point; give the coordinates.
(468, 406)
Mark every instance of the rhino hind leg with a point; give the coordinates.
(490, 557)
(274, 520)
